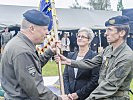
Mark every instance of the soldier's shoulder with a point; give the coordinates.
(16, 46)
(3, 33)
(127, 51)
(127, 54)
(107, 48)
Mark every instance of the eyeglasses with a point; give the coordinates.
(82, 37)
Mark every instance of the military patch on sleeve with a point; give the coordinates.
(31, 69)
(120, 72)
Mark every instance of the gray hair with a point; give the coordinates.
(88, 31)
(25, 24)
(126, 28)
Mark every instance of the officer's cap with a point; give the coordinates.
(117, 21)
(36, 17)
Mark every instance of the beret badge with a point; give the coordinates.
(112, 21)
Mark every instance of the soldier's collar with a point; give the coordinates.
(27, 41)
(109, 50)
(118, 49)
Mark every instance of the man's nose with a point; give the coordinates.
(48, 33)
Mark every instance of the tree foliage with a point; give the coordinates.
(76, 5)
(100, 4)
(94, 4)
(120, 5)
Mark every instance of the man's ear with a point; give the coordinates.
(31, 28)
(122, 33)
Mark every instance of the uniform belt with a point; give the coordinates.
(121, 93)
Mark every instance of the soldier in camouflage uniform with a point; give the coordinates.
(22, 66)
(5, 37)
(116, 62)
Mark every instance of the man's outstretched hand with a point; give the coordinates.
(63, 59)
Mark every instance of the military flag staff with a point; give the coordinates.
(100, 48)
(57, 49)
(48, 7)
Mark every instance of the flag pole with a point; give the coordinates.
(57, 49)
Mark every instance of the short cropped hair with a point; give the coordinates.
(126, 28)
(25, 24)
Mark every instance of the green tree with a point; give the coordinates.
(93, 4)
(120, 5)
(100, 4)
(76, 5)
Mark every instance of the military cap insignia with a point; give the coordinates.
(112, 21)
(31, 69)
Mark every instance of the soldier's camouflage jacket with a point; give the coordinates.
(22, 71)
(115, 73)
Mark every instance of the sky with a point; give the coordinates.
(62, 3)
